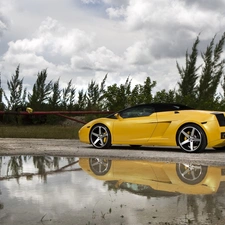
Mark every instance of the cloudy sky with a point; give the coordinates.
(84, 40)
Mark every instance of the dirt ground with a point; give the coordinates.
(65, 147)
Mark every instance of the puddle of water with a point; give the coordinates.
(59, 190)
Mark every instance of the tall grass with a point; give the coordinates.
(40, 131)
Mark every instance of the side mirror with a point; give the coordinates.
(117, 115)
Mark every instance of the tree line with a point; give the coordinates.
(198, 87)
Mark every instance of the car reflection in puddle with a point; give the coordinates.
(61, 190)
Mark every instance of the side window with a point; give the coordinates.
(148, 110)
(138, 111)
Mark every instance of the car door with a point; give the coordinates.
(134, 125)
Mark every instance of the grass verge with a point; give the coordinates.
(40, 131)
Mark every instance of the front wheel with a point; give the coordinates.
(100, 166)
(191, 138)
(100, 136)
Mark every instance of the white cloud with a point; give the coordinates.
(26, 45)
(139, 53)
(91, 1)
(50, 27)
(27, 59)
(84, 40)
(168, 15)
(102, 59)
(4, 20)
(56, 39)
(51, 41)
(3, 27)
(115, 12)
(108, 2)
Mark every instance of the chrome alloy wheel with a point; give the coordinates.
(190, 173)
(100, 136)
(191, 138)
(100, 166)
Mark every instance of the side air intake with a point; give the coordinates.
(221, 119)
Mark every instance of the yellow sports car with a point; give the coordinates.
(170, 177)
(158, 124)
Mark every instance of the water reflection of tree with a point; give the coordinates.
(193, 206)
(213, 206)
(15, 166)
(42, 163)
(0, 164)
(138, 189)
(46, 163)
(210, 205)
(1, 204)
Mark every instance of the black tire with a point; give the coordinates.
(100, 136)
(100, 166)
(191, 138)
(190, 173)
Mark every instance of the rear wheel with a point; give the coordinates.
(100, 136)
(191, 138)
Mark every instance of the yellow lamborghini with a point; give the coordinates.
(158, 124)
(183, 178)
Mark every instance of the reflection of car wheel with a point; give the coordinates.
(99, 166)
(100, 136)
(191, 138)
(191, 174)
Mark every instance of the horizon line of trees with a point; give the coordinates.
(197, 88)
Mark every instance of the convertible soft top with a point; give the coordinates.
(155, 107)
(160, 107)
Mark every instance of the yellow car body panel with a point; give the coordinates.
(136, 130)
(166, 130)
